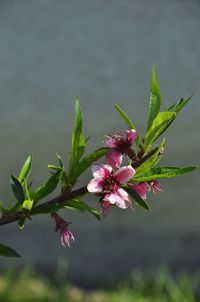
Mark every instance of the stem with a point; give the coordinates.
(143, 159)
(60, 200)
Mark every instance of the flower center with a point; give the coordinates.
(122, 145)
(110, 184)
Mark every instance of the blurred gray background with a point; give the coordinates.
(103, 52)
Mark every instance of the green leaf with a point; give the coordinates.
(137, 199)
(161, 172)
(27, 204)
(53, 168)
(78, 140)
(6, 251)
(159, 125)
(40, 209)
(155, 99)
(25, 171)
(79, 205)
(60, 161)
(17, 189)
(47, 188)
(151, 161)
(128, 122)
(86, 162)
(176, 107)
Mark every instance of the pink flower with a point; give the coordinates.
(120, 145)
(107, 184)
(66, 236)
(155, 185)
(141, 189)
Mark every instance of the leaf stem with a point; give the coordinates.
(60, 200)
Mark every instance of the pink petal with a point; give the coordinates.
(114, 158)
(120, 198)
(111, 142)
(131, 135)
(124, 174)
(95, 185)
(105, 206)
(114, 198)
(100, 170)
(122, 193)
(139, 190)
(155, 185)
(145, 186)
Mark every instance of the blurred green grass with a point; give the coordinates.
(27, 286)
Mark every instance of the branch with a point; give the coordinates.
(60, 200)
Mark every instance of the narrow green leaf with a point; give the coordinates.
(47, 188)
(155, 99)
(79, 205)
(17, 189)
(60, 160)
(125, 117)
(25, 171)
(6, 251)
(176, 107)
(152, 161)
(86, 162)
(159, 125)
(78, 141)
(137, 199)
(54, 168)
(161, 172)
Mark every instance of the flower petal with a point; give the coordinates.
(120, 198)
(131, 135)
(111, 142)
(95, 185)
(140, 189)
(124, 174)
(114, 158)
(127, 199)
(100, 170)
(114, 198)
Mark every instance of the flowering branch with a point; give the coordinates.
(112, 184)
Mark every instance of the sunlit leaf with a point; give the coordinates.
(176, 107)
(25, 171)
(47, 188)
(87, 161)
(155, 99)
(159, 125)
(162, 172)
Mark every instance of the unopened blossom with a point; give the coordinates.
(120, 145)
(107, 184)
(141, 189)
(155, 185)
(66, 236)
(105, 206)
